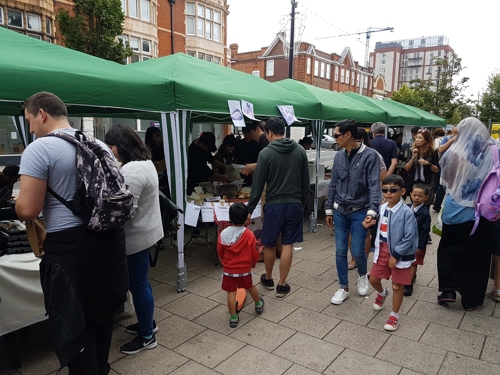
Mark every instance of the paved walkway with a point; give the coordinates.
(301, 334)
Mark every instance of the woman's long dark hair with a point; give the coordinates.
(229, 140)
(364, 136)
(149, 137)
(129, 146)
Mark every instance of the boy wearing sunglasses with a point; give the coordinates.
(397, 240)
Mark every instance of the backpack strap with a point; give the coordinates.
(62, 200)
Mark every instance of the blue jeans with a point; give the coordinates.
(345, 223)
(138, 267)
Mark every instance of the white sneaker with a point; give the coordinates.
(363, 285)
(340, 296)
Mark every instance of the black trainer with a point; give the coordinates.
(138, 345)
(134, 328)
(282, 291)
(408, 290)
(268, 283)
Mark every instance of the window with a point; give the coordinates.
(439, 53)
(144, 58)
(357, 80)
(145, 13)
(146, 46)
(382, 70)
(403, 78)
(410, 44)
(365, 83)
(48, 26)
(342, 75)
(155, 49)
(322, 70)
(422, 42)
(217, 60)
(336, 73)
(34, 22)
(15, 18)
(201, 11)
(124, 6)
(256, 73)
(347, 76)
(216, 32)
(190, 8)
(1, 15)
(133, 10)
(353, 76)
(371, 83)
(328, 71)
(383, 55)
(382, 62)
(134, 44)
(209, 58)
(39, 37)
(440, 40)
(201, 56)
(201, 27)
(308, 68)
(270, 68)
(135, 58)
(405, 63)
(208, 30)
(191, 53)
(190, 25)
(316, 68)
(217, 17)
(411, 77)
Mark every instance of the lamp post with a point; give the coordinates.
(172, 2)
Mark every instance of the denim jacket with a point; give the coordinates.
(402, 233)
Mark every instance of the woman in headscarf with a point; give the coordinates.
(463, 260)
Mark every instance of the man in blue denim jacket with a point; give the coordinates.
(354, 194)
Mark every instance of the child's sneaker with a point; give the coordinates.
(268, 283)
(379, 301)
(392, 323)
(259, 309)
(233, 322)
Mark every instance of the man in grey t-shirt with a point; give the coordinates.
(83, 273)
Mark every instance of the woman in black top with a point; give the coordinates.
(225, 152)
(154, 142)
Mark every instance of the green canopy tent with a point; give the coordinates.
(400, 114)
(335, 107)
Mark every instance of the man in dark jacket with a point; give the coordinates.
(283, 166)
(354, 195)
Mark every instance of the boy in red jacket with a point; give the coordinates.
(238, 255)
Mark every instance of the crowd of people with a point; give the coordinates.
(85, 274)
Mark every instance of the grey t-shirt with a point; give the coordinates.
(53, 159)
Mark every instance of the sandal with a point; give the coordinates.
(494, 295)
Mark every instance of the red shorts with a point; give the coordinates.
(231, 284)
(419, 259)
(381, 270)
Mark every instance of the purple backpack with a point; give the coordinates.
(488, 198)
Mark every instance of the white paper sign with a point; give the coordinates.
(236, 114)
(288, 113)
(192, 214)
(257, 212)
(222, 211)
(247, 108)
(207, 212)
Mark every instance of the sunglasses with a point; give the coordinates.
(390, 190)
(337, 135)
(422, 130)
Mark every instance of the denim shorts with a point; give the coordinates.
(284, 218)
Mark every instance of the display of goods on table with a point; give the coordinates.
(223, 187)
(13, 238)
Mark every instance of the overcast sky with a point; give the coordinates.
(472, 29)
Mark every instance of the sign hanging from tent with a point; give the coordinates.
(236, 113)
(288, 113)
(248, 110)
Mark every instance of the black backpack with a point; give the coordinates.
(102, 199)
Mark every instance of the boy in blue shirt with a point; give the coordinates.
(395, 247)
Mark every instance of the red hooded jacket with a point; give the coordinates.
(241, 256)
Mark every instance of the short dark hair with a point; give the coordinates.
(257, 124)
(306, 141)
(415, 130)
(245, 129)
(439, 132)
(394, 179)
(47, 101)
(11, 170)
(421, 186)
(348, 126)
(130, 147)
(238, 213)
(275, 125)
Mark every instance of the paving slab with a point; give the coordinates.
(351, 311)
(175, 330)
(190, 306)
(412, 355)
(149, 362)
(491, 350)
(457, 364)
(309, 299)
(405, 371)
(275, 310)
(483, 325)
(409, 327)
(358, 338)
(310, 281)
(164, 294)
(217, 319)
(351, 362)
(251, 360)
(310, 267)
(309, 352)
(191, 368)
(310, 322)
(453, 340)
(433, 312)
(300, 370)
(209, 348)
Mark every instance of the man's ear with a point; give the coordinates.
(403, 191)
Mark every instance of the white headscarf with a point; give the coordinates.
(467, 162)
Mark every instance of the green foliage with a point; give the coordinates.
(93, 29)
(490, 103)
(445, 97)
(408, 96)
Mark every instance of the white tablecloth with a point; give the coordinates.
(20, 291)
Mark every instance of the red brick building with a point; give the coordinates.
(326, 70)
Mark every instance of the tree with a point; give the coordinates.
(93, 29)
(490, 103)
(408, 96)
(445, 96)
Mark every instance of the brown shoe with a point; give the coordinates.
(352, 265)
